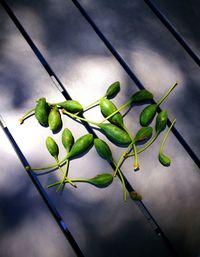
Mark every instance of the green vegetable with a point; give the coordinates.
(42, 111)
(72, 106)
(113, 90)
(81, 145)
(161, 121)
(54, 120)
(67, 139)
(107, 107)
(140, 96)
(143, 134)
(164, 159)
(52, 147)
(115, 134)
(148, 114)
(103, 149)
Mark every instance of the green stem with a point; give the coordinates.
(136, 163)
(121, 159)
(64, 176)
(21, 120)
(122, 179)
(52, 166)
(166, 135)
(167, 93)
(145, 147)
(80, 118)
(92, 104)
(118, 110)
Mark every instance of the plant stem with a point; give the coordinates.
(53, 165)
(136, 163)
(166, 135)
(167, 93)
(92, 104)
(21, 120)
(145, 147)
(118, 110)
(80, 118)
(121, 159)
(122, 179)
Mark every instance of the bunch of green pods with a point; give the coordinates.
(113, 128)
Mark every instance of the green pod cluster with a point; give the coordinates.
(101, 180)
(161, 121)
(42, 111)
(54, 119)
(103, 149)
(113, 90)
(143, 134)
(107, 108)
(115, 134)
(52, 147)
(140, 96)
(67, 139)
(72, 106)
(81, 145)
(147, 115)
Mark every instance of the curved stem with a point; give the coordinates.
(52, 166)
(21, 120)
(122, 179)
(166, 135)
(64, 176)
(136, 163)
(121, 159)
(80, 118)
(145, 147)
(167, 93)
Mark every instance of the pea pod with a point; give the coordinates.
(52, 147)
(81, 145)
(115, 134)
(72, 106)
(148, 114)
(140, 96)
(103, 149)
(101, 180)
(113, 90)
(161, 121)
(107, 107)
(42, 110)
(143, 134)
(67, 139)
(54, 119)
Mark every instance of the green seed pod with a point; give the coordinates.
(72, 106)
(103, 149)
(67, 139)
(101, 180)
(81, 145)
(115, 134)
(54, 120)
(107, 107)
(113, 90)
(164, 160)
(52, 147)
(143, 134)
(161, 121)
(42, 110)
(147, 115)
(142, 95)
